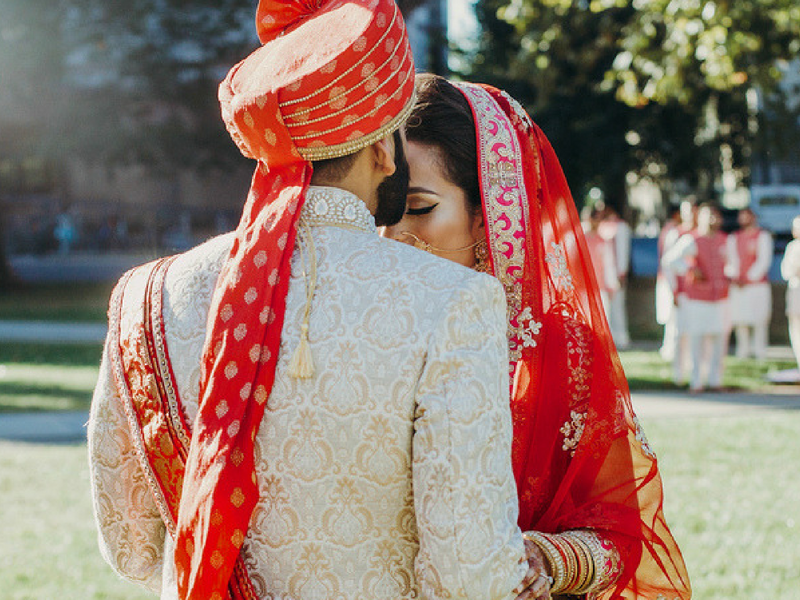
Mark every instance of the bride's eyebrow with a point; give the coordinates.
(421, 190)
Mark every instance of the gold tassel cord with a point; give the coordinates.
(301, 365)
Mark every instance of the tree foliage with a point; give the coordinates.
(655, 87)
(115, 81)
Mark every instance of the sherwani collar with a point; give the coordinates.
(335, 207)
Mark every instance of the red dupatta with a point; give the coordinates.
(580, 457)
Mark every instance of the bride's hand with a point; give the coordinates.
(536, 585)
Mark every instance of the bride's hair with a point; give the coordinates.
(442, 118)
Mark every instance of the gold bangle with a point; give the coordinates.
(605, 557)
(570, 561)
(551, 553)
(586, 568)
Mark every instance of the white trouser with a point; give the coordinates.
(760, 332)
(670, 342)
(680, 358)
(706, 352)
(618, 318)
(794, 337)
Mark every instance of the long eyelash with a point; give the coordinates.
(415, 212)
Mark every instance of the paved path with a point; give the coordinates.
(51, 331)
(44, 427)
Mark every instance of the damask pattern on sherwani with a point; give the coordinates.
(386, 475)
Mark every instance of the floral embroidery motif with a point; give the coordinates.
(502, 173)
(580, 359)
(573, 430)
(527, 331)
(519, 116)
(642, 439)
(558, 263)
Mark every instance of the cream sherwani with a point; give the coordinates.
(385, 475)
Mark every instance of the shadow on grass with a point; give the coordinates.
(20, 397)
(35, 353)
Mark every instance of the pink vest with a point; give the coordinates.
(597, 247)
(747, 248)
(712, 286)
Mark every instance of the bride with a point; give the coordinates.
(487, 191)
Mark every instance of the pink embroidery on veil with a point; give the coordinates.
(501, 177)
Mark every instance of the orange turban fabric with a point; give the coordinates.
(331, 78)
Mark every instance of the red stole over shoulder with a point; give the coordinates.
(143, 373)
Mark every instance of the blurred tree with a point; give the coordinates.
(658, 88)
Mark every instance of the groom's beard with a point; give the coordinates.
(393, 190)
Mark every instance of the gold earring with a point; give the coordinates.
(482, 257)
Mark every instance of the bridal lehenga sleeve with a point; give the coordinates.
(588, 483)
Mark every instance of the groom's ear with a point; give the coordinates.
(383, 152)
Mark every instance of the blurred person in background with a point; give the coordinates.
(790, 271)
(602, 255)
(665, 300)
(616, 231)
(676, 344)
(750, 252)
(700, 257)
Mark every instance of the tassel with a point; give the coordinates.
(302, 365)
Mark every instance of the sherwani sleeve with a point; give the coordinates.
(623, 248)
(611, 272)
(764, 253)
(732, 257)
(790, 265)
(676, 258)
(131, 532)
(464, 491)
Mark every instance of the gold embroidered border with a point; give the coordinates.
(354, 104)
(505, 197)
(389, 98)
(352, 146)
(165, 376)
(124, 389)
(305, 111)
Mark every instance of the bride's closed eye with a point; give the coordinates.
(415, 212)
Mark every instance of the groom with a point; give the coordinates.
(302, 409)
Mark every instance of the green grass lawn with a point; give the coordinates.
(48, 543)
(733, 502)
(36, 377)
(731, 489)
(86, 302)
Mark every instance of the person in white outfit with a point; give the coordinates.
(700, 257)
(675, 346)
(750, 252)
(790, 271)
(618, 234)
(602, 254)
(665, 299)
